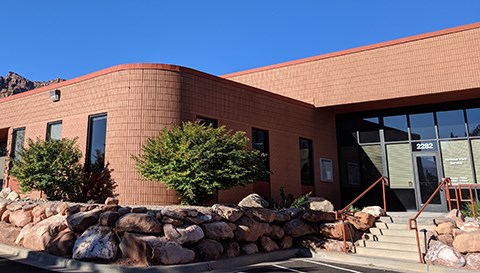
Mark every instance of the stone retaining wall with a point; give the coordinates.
(170, 235)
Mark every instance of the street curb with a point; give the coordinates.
(393, 264)
(54, 263)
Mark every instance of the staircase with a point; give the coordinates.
(391, 237)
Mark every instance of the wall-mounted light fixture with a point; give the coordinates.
(55, 95)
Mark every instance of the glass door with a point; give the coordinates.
(427, 176)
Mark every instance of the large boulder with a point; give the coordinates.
(473, 261)
(38, 237)
(253, 201)
(249, 230)
(22, 233)
(208, 249)
(13, 196)
(62, 244)
(80, 221)
(184, 235)
(5, 192)
(375, 211)
(231, 249)
(170, 253)
(467, 242)
(138, 222)
(261, 214)
(441, 254)
(277, 232)
(365, 218)
(320, 204)
(249, 248)
(218, 231)
(3, 207)
(317, 244)
(97, 242)
(228, 213)
(297, 228)
(286, 242)
(335, 231)
(5, 217)
(268, 244)
(444, 228)
(8, 233)
(108, 218)
(38, 214)
(21, 218)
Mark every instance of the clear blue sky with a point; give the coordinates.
(48, 39)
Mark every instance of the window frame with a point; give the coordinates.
(266, 144)
(88, 154)
(311, 178)
(49, 124)
(13, 151)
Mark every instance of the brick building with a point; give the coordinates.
(408, 109)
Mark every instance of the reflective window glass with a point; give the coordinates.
(97, 138)
(473, 118)
(306, 161)
(395, 128)
(369, 130)
(422, 126)
(54, 130)
(451, 124)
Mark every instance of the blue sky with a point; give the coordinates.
(47, 39)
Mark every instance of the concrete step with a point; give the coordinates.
(388, 253)
(401, 226)
(405, 220)
(408, 246)
(393, 232)
(392, 239)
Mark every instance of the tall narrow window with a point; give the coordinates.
(260, 142)
(208, 121)
(97, 130)
(54, 130)
(306, 161)
(18, 137)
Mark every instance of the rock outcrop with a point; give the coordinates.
(14, 84)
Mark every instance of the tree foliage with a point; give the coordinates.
(51, 166)
(198, 160)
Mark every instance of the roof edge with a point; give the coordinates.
(358, 49)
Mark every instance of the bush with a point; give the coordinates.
(288, 201)
(197, 161)
(467, 209)
(50, 166)
(96, 186)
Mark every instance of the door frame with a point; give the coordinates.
(431, 207)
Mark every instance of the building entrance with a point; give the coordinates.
(427, 176)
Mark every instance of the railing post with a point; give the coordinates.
(447, 193)
(457, 198)
(471, 201)
(384, 182)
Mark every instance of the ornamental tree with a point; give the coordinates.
(52, 166)
(198, 160)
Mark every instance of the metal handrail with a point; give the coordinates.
(412, 223)
(341, 214)
(459, 198)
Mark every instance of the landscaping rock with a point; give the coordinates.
(62, 244)
(108, 218)
(320, 204)
(138, 222)
(268, 244)
(173, 221)
(38, 214)
(97, 242)
(472, 261)
(20, 218)
(208, 249)
(3, 207)
(375, 211)
(62, 208)
(13, 196)
(139, 210)
(293, 212)
(261, 214)
(8, 233)
(179, 213)
(455, 213)
(446, 239)
(38, 237)
(467, 242)
(297, 228)
(218, 231)
(110, 201)
(139, 247)
(470, 226)
(5, 192)
(6, 216)
(228, 213)
(444, 228)
(286, 242)
(317, 244)
(335, 230)
(170, 253)
(21, 234)
(13, 206)
(441, 254)
(81, 221)
(249, 248)
(253, 201)
(249, 230)
(123, 210)
(365, 218)
(318, 216)
(277, 232)
(186, 234)
(231, 249)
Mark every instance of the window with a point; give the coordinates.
(369, 130)
(326, 170)
(422, 126)
(97, 129)
(306, 161)
(260, 142)
(18, 137)
(208, 121)
(54, 130)
(451, 124)
(395, 128)
(473, 118)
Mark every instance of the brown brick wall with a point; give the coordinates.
(429, 64)
(140, 100)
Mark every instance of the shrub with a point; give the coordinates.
(50, 166)
(467, 209)
(96, 186)
(288, 201)
(197, 161)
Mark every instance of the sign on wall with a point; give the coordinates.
(326, 170)
(424, 146)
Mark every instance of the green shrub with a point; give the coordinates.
(197, 161)
(50, 166)
(467, 209)
(288, 201)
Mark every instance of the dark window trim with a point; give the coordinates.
(267, 148)
(89, 136)
(311, 179)
(206, 121)
(14, 139)
(47, 134)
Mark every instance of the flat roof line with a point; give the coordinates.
(358, 49)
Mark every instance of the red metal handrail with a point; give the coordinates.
(412, 223)
(459, 196)
(341, 214)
